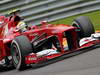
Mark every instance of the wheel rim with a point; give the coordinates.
(76, 25)
(15, 54)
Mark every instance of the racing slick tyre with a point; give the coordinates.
(20, 48)
(84, 26)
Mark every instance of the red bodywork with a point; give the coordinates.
(8, 33)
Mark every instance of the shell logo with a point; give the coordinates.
(64, 42)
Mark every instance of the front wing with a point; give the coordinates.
(48, 54)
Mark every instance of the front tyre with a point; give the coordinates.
(84, 26)
(20, 48)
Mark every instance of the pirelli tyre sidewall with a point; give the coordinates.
(20, 48)
(84, 26)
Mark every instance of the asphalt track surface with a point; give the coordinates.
(83, 63)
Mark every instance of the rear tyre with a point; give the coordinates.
(84, 26)
(20, 48)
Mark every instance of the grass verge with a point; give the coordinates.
(94, 16)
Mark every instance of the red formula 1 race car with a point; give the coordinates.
(45, 42)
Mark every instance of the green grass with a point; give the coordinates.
(94, 16)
